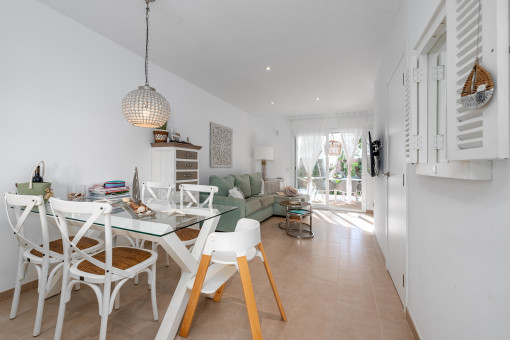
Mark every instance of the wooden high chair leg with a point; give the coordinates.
(218, 294)
(249, 297)
(271, 280)
(195, 294)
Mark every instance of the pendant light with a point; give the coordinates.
(144, 106)
(335, 148)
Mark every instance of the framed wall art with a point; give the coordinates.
(221, 146)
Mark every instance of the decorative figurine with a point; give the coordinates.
(136, 188)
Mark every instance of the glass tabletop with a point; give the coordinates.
(158, 225)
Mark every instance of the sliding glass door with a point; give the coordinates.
(336, 181)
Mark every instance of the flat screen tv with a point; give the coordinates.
(373, 148)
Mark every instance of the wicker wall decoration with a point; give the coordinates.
(221, 146)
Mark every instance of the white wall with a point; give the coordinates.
(458, 231)
(61, 89)
(277, 132)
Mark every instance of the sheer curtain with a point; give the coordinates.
(350, 140)
(311, 136)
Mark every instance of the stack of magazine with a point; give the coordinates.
(110, 192)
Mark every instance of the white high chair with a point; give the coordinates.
(112, 265)
(234, 249)
(41, 256)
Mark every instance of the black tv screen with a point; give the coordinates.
(373, 156)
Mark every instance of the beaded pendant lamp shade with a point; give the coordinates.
(335, 148)
(144, 106)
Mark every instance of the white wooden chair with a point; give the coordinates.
(49, 253)
(234, 249)
(164, 190)
(112, 265)
(150, 190)
(190, 195)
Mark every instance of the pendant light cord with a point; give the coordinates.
(147, 43)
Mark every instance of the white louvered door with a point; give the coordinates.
(411, 113)
(478, 133)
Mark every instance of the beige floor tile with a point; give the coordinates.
(334, 286)
(357, 323)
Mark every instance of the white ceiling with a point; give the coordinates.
(316, 48)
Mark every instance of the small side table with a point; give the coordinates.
(298, 211)
(300, 232)
(290, 205)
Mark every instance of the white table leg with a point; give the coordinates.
(189, 266)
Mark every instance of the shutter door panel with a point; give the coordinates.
(411, 113)
(481, 133)
(407, 119)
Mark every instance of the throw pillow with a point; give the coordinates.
(255, 183)
(243, 183)
(271, 186)
(224, 184)
(236, 193)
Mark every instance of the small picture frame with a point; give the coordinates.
(176, 137)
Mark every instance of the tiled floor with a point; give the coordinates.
(334, 286)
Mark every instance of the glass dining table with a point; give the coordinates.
(161, 228)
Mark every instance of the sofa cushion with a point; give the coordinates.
(224, 184)
(243, 183)
(255, 183)
(253, 204)
(266, 200)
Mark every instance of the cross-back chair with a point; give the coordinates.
(190, 195)
(113, 265)
(41, 256)
(234, 249)
(157, 190)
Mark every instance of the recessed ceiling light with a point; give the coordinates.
(317, 99)
(268, 68)
(272, 103)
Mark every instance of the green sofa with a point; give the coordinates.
(255, 205)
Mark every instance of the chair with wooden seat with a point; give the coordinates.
(43, 256)
(157, 192)
(189, 197)
(160, 191)
(113, 265)
(232, 249)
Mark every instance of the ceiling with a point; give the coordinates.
(326, 49)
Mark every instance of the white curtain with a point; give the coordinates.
(311, 136)
(350, 140)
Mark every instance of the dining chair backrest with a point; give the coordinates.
(245, 236)
(98, 213)
(22, 205)
(192, 192)
(163, 189)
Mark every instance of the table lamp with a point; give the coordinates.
(264, 153)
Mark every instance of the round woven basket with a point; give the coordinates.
(160, 136)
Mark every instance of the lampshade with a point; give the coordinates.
(335, 148)
(264, 152)
(145, 107)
